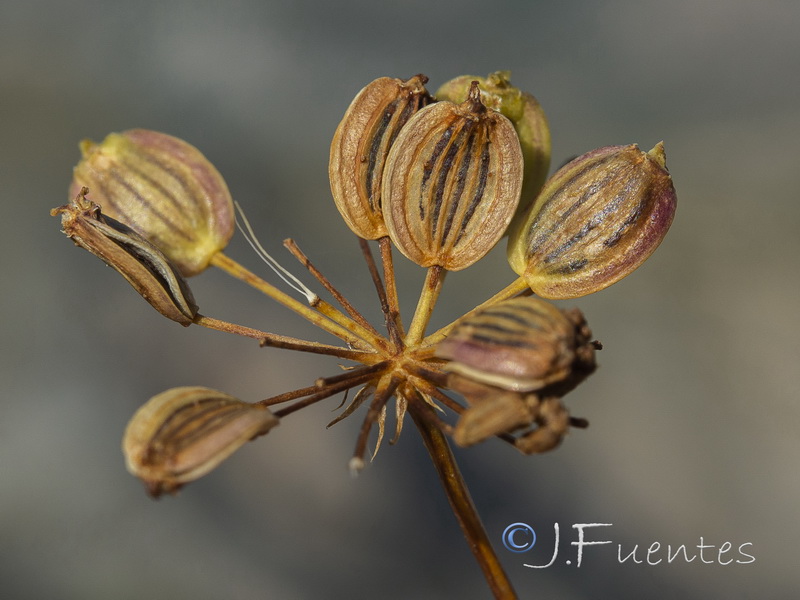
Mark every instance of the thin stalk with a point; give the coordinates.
(374, 369)
(434, 280)
(372, 337)
(426, 387)
(234, 269)
(288, 343)
(460, 501)
(309, 400)
(385, 245)
(367, 331)
(391, 315)
(518, 286)
(312, 394)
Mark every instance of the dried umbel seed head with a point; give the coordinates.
(596, 220)
(361, 143)
(452, 183)
(164, 189)
(522, 344)
(183, 433)
(524, 111)
(140, 262)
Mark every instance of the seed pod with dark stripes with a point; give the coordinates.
(164, 189)
(452, 183)
(144, 266)
(596, 220)
(183, 433)
(523, 344)
(524, 111)
(361, 143)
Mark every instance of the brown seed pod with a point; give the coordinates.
(491, 411)
(361, 143)
(552, 420)
(143, 265)
(596, 220)
(452, 182)
(522, 345)
(183, 433)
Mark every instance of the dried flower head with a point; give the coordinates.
(441, 182)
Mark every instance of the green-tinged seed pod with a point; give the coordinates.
(596, 220)
(183, 433)
(145, 267)
(527, 115)
(452, 183)
(164, 189)
(361, 144)
(522, 345)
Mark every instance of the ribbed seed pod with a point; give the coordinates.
(183, 433)
(164, 189)
(452, 183)
(361, 143)
(522, 344)
(524, 111)
(596, 220)
(143, 265)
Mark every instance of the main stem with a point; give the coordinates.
(463, 507)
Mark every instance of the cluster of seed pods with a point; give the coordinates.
(441, 177)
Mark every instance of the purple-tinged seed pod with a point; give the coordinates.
(595, 221)
(522, 345)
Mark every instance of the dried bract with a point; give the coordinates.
(361, 144)
(164, 189)
(140, 262)
(527, 115)
(452, 183)
(183, 433)
(596, 220)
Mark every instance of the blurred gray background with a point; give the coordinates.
(694, 413)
